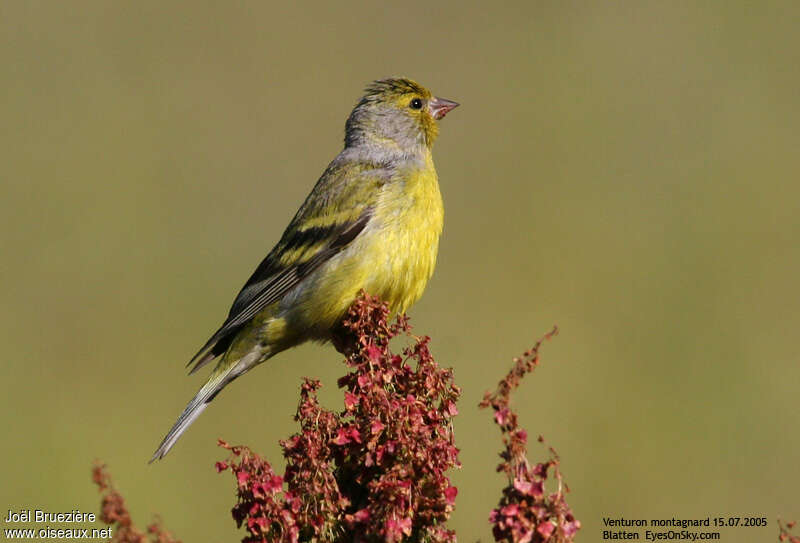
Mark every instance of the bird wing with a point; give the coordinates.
(334, 214)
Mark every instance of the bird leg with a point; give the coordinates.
(344, 340)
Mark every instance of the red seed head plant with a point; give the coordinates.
(526, 512)
(374, 471)
(785, 532)
(114, 512)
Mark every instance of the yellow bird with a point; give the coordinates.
(371, 222)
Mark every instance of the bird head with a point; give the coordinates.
(396, 114)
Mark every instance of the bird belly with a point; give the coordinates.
(409, 218)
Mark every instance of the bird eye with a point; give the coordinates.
(416, 103)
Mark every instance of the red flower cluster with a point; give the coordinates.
(114, 511)
(786, 532)
(526, 512)
(375, 471)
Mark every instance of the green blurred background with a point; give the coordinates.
(625, 170)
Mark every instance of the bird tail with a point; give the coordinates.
(197, 405)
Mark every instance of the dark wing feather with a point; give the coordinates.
(271, 280)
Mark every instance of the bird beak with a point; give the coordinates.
(439, 107)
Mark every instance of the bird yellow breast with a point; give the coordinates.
(409, 217)
(393, 257)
